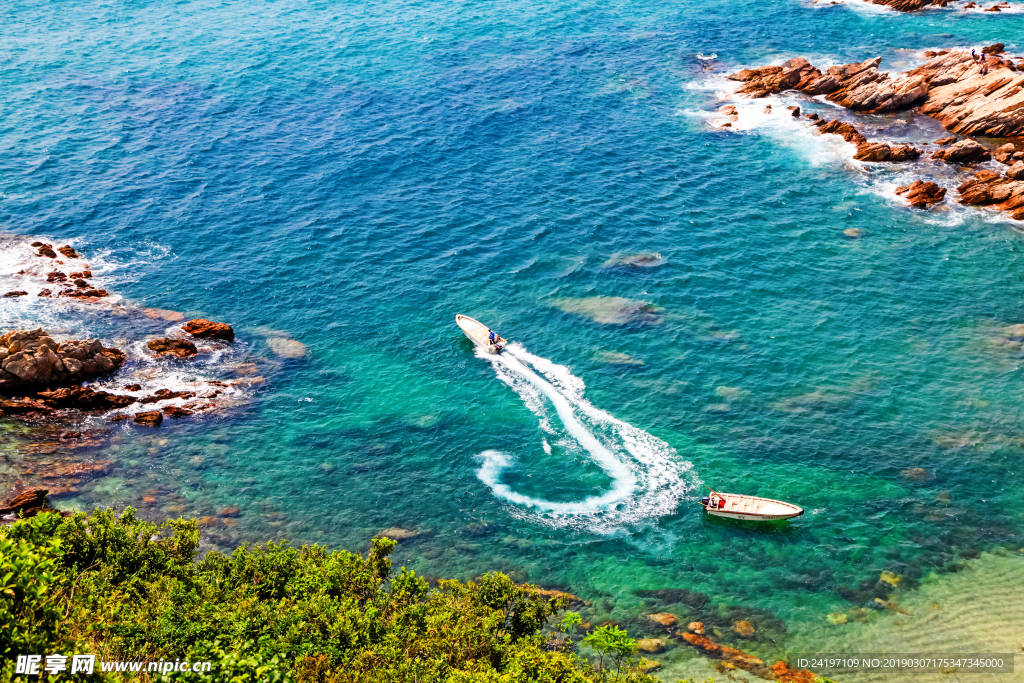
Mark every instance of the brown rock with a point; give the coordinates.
(908, 5)
(846, 130)
(133, 387)
(45, 292)
(82, 274)
(994, 49)
(14, 406)
(1004, 153)
(207, 329)
(948, 140)
(794, 110)
(32, 359)
(921, 194)
(85, 293)
(153, 418)
(26, 502)
(47, 252)
(182, 348)
(768, 109)
(208, 520)
(735, 657)
(84, 398)
(56, 276)
(963, 152)
(880, 151)
(664, 619)
(1016, 171)
(230, 512)
(11, 295)
(68, 251)
(166, 395)
(988, 188)
(781, 672)
(177, 412)
(767, 80)
(696, 627)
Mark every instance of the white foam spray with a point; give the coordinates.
(647, 475)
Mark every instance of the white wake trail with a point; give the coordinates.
(645, 471)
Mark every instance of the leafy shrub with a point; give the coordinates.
(129, 590)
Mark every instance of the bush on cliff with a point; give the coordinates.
(128, 590)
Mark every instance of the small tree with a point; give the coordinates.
(611, 642)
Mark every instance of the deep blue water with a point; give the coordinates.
(351, 176)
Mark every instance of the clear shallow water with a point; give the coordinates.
(351, 177)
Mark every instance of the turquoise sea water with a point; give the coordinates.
(351, 176)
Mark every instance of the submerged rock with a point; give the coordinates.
(853, 233)
(650, 645)
(287, 348)
(611, 310)
(644, 259)
(743, 628)
(32, 359)
(663, 619)
(398, 534)
(207, 329)
(920, 194)
(181, 348)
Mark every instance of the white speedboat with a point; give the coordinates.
(480, 334)
(754, 508)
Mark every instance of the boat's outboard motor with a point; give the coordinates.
(705, 500)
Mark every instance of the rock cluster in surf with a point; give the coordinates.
(31, 359)
(966, 97)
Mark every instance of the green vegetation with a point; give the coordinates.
(128, 590)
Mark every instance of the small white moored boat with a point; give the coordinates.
(736, 506)
(480, 334)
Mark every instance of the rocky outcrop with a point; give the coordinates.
(949, 88)
(963, 152)
(769, 80)
(27, 502)
(780, 671)
(909, 5)
(181, 348)
(988, 188)
(1016, 171)
(207, 329)
(1008, 154)
(85, 399)
(867, 151)
(948, 140)
(32, 359)
(880, 151)
(920, 194)
(969, 103)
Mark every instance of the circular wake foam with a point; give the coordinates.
(645, 471)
